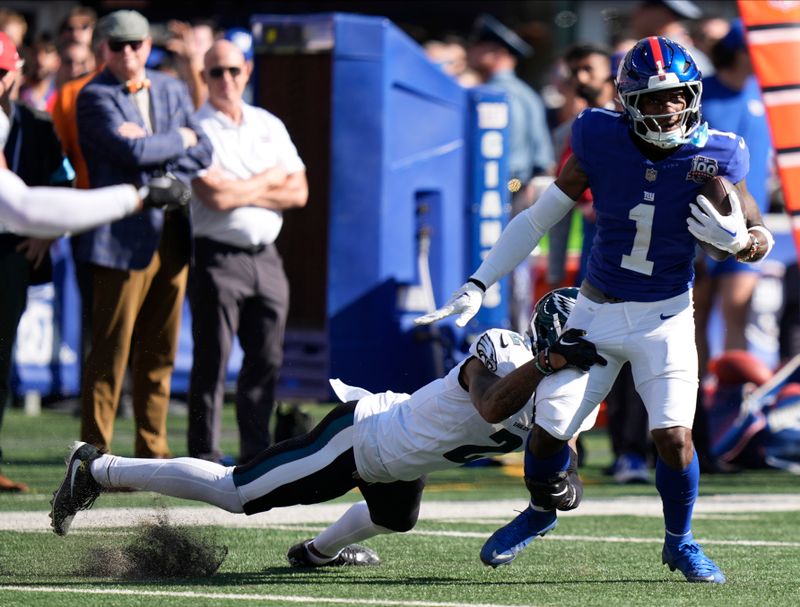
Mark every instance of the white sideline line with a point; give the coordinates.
(273, 598)
(618, 540)
(497, 510)
(483, 535)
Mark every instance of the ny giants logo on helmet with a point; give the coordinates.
(658, 64)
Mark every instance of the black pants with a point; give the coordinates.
(320, 466)
(246, 293)
(14, 278)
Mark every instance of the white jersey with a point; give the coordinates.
(402, 436)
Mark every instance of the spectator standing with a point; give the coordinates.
(78, 26)
(14, 26)
(450, 55)
(707, 31)
(65, 120)
(188, 44)
(134, 125)
(238, 286)
(669, 18)
(732, 103)
(76, 60)
(493, 55)
(10, 265)
(42, 62)
(34, 154)
(65, 108)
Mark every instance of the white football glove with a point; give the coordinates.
(465, 302)
(725, 232)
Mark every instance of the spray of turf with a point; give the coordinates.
(158, 549)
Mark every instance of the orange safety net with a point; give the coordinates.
(773, 39)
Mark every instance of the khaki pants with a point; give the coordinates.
(136, 313)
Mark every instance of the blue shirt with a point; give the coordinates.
(643, 250)
(742, 112)
(530, 147)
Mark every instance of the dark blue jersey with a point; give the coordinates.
(643, 250)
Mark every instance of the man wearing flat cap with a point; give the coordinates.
(134, 125)
(493, 54)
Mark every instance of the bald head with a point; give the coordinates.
(226, 72)
(223, 52)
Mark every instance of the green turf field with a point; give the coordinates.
(598, 559)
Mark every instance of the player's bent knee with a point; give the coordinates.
(675, 439)
(396, 522)
(674, 446)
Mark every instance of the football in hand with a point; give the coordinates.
(717, 190)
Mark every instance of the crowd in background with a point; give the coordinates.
(100, 104)
(54, 105)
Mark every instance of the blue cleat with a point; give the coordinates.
(692, 563)
(507, 542)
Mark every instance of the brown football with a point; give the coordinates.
(717, 190)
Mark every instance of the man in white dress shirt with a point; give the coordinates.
(238, 285)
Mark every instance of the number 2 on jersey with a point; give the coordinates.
(637, 261)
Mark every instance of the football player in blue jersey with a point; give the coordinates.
(646, 167)
(383, 443)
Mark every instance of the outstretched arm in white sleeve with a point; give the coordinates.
(519, 238)
(46, 212)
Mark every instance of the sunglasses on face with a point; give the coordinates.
(117, 46)
(219, 72)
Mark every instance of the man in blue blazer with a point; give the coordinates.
(134, 125)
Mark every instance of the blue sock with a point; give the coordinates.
(678, 489)
(540, 469)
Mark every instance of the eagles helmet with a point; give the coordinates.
(656, 64)
(550, 315)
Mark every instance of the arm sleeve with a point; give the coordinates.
(49, 212)
(522, 234)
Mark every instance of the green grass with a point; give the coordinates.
(437, 563)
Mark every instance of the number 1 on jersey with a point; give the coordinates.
(637, 261)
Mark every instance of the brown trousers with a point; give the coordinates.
(136, 313)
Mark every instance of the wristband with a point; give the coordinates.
(477, 283)
(748, 253)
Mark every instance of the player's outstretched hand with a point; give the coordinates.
(465, 302)
(725, 232)
(577, 351)
(165, 192)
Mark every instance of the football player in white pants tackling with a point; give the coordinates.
(382, 443)
(645, 168)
